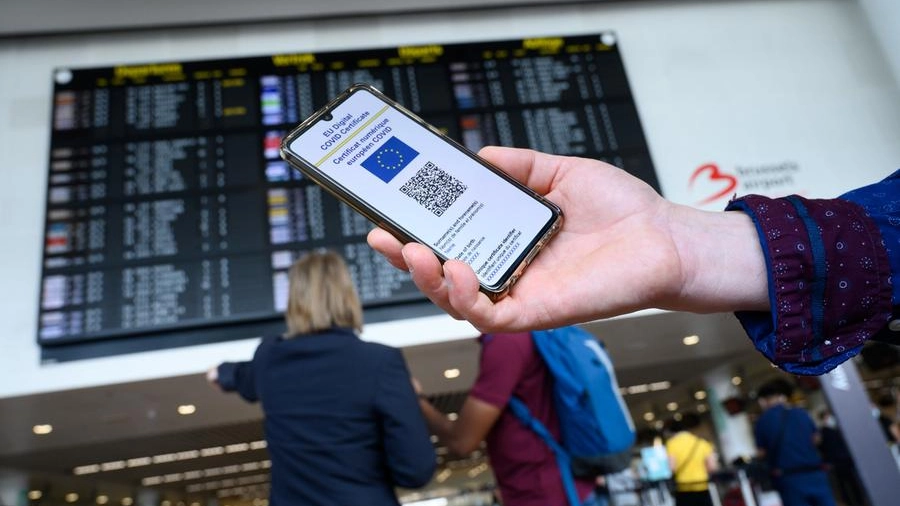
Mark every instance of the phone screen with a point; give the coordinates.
(430, 188)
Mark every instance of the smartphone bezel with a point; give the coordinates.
(506, 281)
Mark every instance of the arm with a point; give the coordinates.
(619, 232)
(236, 377)
(408, 448)
(712, 462)
(673, 464)
(465, 434)
(503, 361)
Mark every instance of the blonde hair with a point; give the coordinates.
(321, 295)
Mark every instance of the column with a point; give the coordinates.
(13, 489)
(734, 431)
(875, 465)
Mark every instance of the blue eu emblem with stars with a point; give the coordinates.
(389, 159)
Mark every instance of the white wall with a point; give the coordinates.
(741, 84)
(884, 17)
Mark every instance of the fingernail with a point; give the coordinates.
(448, 280)
(406, 261)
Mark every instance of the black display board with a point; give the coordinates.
(169, 210)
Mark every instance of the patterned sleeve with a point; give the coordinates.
(830, 265)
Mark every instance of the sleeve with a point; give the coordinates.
(503, 361)
(409, 452)
(238, 377)
(830, 276)
(760, 436)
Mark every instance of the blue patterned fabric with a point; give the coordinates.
(833, 266)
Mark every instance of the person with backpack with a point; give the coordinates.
(692, 459)
(529, 462)
(787, 439)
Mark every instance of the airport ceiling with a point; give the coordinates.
(114, 439)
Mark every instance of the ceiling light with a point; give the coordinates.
(659, 385)
(34, 495)
(443, 475)
(452, 416)
(113, 466)
(701, 408)
(127, 501)
(102, 499)
(187, 409)
(42, 429)
(658, 424)
(237, 447)
(212, 451)
(737, 380)
(700, 395)
(677, 417)
(672, 406)
(451, 373)
(691, 340)
(637, 389)
(649, 416)
(71, 497)
(139, 461)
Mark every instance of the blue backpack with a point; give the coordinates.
(596, 429)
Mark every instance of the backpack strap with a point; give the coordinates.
(563, 461)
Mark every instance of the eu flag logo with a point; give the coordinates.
(389, 159)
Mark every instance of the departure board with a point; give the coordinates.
(168, 207)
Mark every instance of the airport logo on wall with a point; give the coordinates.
(709, 183)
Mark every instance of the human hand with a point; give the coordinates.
(417, 386)
(621, 248)
(212, 376)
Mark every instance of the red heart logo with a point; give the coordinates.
(714, 174)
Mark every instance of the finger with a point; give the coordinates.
(383, 242)
(468, 301)
(534, 169)
(428, 275)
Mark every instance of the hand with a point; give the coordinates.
(621, 248)
(417, 387)
(212, 375)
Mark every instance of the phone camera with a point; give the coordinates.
(327, 116)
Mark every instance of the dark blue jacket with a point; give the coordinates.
(342, 422)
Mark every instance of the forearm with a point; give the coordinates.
(447, 431)
(722, 262)
(437, 422)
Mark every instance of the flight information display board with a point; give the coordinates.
(169, 208)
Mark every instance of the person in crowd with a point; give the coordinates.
(887, 417)
(692, 459)
(524, 466)
(787, 440)
(837, 456)
(341, 419)
(622, 248)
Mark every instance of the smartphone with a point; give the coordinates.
(418, 184)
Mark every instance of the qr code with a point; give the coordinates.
(433, 188)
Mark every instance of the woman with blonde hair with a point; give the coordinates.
(342, 422)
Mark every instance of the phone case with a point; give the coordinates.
(493, 292)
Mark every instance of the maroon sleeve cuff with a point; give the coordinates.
(829, 288)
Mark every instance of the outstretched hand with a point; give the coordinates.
(614, 253)
(621, 248)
